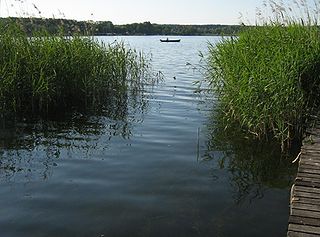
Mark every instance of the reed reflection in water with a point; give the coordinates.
(30, 146)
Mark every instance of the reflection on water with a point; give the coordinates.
(153, 162)
(254, 165)
(30, 146)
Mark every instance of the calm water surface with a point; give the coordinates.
(158, 164)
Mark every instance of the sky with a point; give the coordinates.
(131, 11)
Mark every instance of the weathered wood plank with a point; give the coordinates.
(306, 179)
(309, 167)
(308, 162)
(310, 207)
(316, 175)
(308, 170)
(301, 162)
(311, 151)
(311, 148)
(311, 154)
(308, 175)
(299, 234)
(307, 184)
(304, 229)
(304, 221)
(305, 200)
(306, 189)
(306, 195)
(309, 158)
(305, 213)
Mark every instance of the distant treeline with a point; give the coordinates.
(55, 26)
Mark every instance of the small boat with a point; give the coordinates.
(170, 40)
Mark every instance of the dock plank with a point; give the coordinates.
(307, 184)
(308, 170)
(299, 234)
(310, 207)
(306, 179)
(308, 175)
(307, 189)
(304, 229)
(307, 195)
(305, 213)
(305, 200)
(309, 167)
(304, 221)
(310, 162)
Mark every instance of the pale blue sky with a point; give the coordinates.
(129, 11)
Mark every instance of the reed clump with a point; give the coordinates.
(268, 78)
(44, 72)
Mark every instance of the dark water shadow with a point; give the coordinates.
(31, 145)
(254, 165)
(257, 175)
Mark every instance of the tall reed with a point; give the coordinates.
(268, 78)
(45, 72)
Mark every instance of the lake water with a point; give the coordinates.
(159, 164)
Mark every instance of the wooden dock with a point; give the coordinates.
(304, 220)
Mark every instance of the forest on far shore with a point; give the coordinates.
(56, 26)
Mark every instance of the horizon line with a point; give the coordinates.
(98, 21)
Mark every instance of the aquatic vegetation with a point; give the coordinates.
(46, 73)
(253, 165)
(267, 78)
